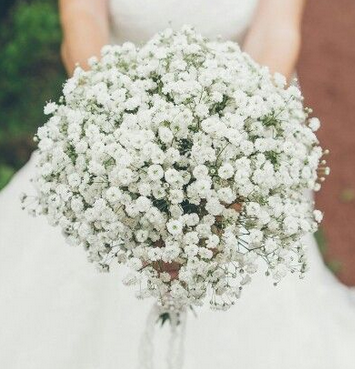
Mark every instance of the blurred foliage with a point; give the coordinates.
(347, 195)
(6, 173)
(333, 265)
(31, 74)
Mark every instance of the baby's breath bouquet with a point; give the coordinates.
(184, 160)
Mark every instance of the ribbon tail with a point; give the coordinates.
(175, 350)
(146, 346)
(175, 354)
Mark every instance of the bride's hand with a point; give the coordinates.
(173, 268)
(163, 267)
(235, 206)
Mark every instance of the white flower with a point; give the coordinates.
(226, 195)
(125, 176)
(142, 235)
(165, 134)
(191, 238)
(210, 125)
(50, 108)
(174, 227)
(113, 194)
(143, 204)
(191, 250)
(155, 253)
(205, 253)
(280, 80)
(178, 291)
(77, 205)
(256, 237)
(314, 124)
(290, 225)
(170, 252)
(202, 187)
(176, 196)
(135, 263)
(279, 272)
(318, 216)
(191, 219)
(226, 171)
(213, 241)
(175, 211)
(214, 207)
(202, 110)
(253, 208)
(172, 176)
(200, 172)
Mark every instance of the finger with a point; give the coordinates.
(236, 206)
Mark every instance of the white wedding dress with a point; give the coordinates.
(58, 312)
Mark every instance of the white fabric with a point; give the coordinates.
(138, 20)
(57, 312)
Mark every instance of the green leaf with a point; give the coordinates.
(164, 318)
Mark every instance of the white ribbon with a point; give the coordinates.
(175, 352)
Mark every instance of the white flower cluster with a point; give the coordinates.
(145, 153)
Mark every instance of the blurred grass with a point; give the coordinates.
(31, 74)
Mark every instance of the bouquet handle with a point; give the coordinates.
(175, 350)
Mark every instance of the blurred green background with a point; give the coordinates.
(31, 74)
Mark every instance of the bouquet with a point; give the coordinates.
(185, 160)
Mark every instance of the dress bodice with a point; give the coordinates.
(138, 20)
